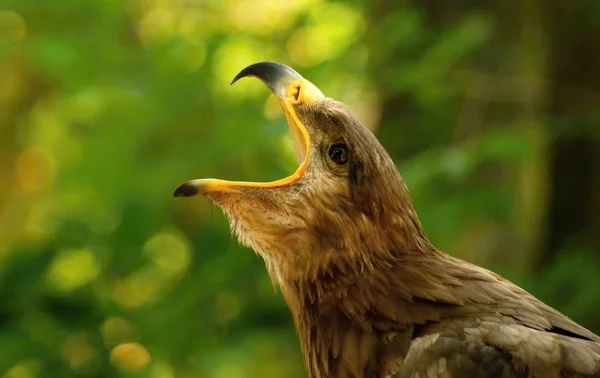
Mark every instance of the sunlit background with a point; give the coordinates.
(492, 113)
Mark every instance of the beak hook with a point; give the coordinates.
(276, 76)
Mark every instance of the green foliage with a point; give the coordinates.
(106, 106)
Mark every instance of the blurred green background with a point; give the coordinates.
(492, 113)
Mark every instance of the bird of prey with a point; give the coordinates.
(371, 297)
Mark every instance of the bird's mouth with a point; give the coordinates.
(292, 90)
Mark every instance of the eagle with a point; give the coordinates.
(370, 295)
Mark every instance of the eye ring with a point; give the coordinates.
(338, 153)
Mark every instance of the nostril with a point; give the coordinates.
(293, 92)
(297, 92)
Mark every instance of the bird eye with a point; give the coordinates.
(339, 153)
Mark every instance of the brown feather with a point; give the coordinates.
(371, 296)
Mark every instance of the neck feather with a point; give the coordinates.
(344, 317)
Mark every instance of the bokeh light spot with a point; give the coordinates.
(12, 27)
(307, 47)
(264, 17)
(29, 368)
(102, 218)
(333, 28)
(169, 251)
(35, 169)
(72, 269)
(50, 130)
(116, 330)
(190, 55)
(78, 350)
(41, 221)
(130, 356)
(136, 290)
(86, 105)
(161, 370)
(156, 25)
(19, 371)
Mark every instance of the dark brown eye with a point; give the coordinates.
(339, 153)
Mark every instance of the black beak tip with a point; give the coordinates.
(268, 72)
(186, 189)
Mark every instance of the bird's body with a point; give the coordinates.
(436, 316)
(371, 297)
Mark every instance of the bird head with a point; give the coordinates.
(344, 208)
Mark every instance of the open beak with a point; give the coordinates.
(291, 90)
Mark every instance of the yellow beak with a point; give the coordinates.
(291, 90)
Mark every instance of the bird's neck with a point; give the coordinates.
(343, 322)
